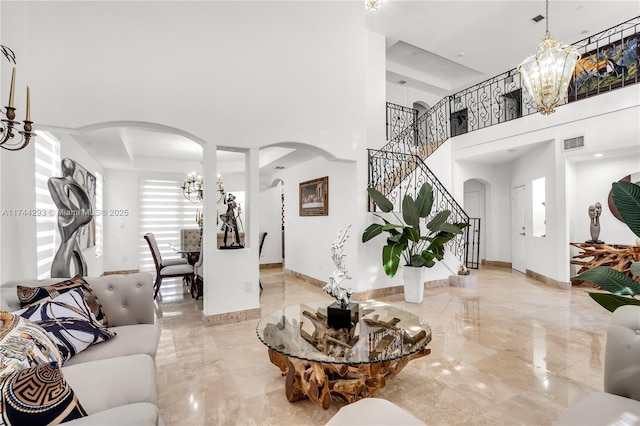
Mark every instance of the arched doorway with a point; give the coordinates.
(475, 202)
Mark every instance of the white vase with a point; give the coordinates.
(413, 279)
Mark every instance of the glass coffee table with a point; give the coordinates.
(319, 361)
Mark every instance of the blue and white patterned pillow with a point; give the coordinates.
(24, 344)
(69, 322)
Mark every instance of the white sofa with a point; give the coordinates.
(113, 380)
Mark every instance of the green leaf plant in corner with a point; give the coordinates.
(418, 246)
(621, 287)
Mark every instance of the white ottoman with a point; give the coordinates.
(373, 411)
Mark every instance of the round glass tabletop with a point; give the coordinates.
(382, 333)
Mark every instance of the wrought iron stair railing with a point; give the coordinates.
(386, 170)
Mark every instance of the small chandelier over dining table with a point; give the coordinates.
(546, 74)
(193, 188)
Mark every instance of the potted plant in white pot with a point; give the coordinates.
(418, 246)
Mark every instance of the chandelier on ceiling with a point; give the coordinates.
(546, 74)
(193, 188)
(372, 5)
(8, 123)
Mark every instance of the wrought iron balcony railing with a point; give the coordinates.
(609, 60)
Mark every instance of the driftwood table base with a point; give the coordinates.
(318, 381)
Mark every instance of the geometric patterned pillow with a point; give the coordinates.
(69, 322)
(38, 396)
(24, 344)
(31, 295)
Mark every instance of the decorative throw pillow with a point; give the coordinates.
(38, 396)
(24, 344)
(32, 295)
(69, 322)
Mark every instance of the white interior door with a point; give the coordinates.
(518, 231)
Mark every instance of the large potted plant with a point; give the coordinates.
(419, 246)
(621, 287)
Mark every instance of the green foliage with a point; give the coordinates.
(626, 197)
(623, 289)
(409, 239)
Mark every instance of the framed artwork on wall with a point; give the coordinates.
(606, 68)
(314, 197)
(87, 181)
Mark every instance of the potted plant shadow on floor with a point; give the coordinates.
(622, 288)
(420, 246)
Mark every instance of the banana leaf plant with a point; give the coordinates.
(407, 238)
(622, 288)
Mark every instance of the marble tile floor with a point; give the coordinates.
(512, 351)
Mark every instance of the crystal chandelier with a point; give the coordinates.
(546, 74)
(193, 188)
(8, 123)
(372, 5)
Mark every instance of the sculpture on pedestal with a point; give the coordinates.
(230, 222)
(342, 313)
(594, 227)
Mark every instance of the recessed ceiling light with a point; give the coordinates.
(599, 155)
(537, 18)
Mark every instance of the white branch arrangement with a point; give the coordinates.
(333, 286)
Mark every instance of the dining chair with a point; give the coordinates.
(263, 235)
(190, 237)
(196, 289)
(169, 269)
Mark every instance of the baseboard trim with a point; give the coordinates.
(377, 292)
(306, 278)
(549, 281)
(126, 272)
(497, 263)
(367, 294)
(271, 265)
(231, 317)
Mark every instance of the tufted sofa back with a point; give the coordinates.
(126, 299)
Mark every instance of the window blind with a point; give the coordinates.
(47, 159)
(163, 211)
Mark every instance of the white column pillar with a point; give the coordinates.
(231, 280)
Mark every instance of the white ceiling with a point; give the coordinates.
(438, 47)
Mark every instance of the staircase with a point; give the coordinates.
(398, 168)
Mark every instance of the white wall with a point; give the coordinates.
(308, 238)
(18, 231)
(271, 223)
(206, 68)
(406, 96)
(539, 251)
(121, 236)
(497, 179)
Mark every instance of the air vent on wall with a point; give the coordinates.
(573, 143)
